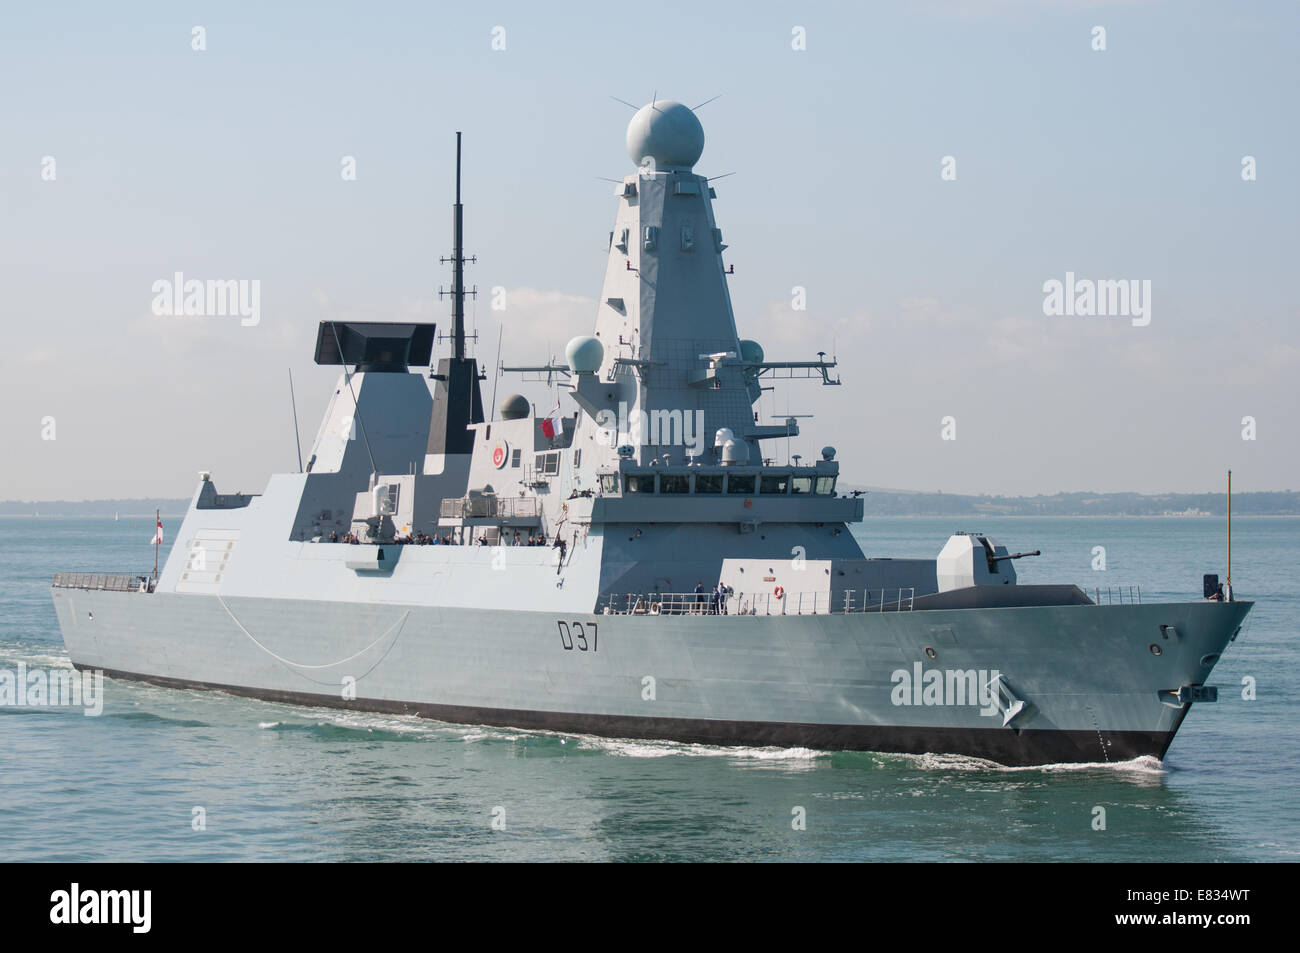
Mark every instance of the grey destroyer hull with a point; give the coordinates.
(1094, 683)
(519, 570)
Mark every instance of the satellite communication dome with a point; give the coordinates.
(751, 352)
(584, 354)
(735, 453)
(515, 407)
(667, 132)
(722, 436)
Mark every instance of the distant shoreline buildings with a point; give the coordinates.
(879, 503)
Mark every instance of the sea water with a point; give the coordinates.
(164, 774)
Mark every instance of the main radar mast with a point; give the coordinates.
(457, 401)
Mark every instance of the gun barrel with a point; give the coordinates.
(1017, 555)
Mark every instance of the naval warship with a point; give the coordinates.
(689, 586)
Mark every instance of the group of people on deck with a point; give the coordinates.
(420, 538)
(538, 540)
(717, 598)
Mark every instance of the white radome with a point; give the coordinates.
(584, 354)
(668, 133)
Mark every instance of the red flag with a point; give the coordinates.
(551, 425)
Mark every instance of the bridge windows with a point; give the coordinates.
(708, 483)
(639, 483)
(740, 483)
(737, 484)
(674, 483)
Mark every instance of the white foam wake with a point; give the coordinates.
(1142, 765)
(665, 749)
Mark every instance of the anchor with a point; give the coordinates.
(1008, 702)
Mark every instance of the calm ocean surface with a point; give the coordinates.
(277, 782)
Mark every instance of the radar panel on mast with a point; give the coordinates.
(374, 345)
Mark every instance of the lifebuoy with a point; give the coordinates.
(779, 592)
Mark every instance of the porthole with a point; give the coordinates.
(1155, 649)
(931, 652)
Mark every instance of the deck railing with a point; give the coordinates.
(765, 603)
(1115, 595)
(108, 582)
(490, 507)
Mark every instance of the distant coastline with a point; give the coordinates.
(877, 503)
(1168, 505)
(124, 509)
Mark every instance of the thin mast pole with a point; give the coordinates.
(294, 402)
(1230, 531)
(497, 376)
(157, 518)
(458, 268)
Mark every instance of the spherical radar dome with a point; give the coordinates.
(584, 354)
(667, 132)
(515, 407)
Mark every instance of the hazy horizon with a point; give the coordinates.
(225, 164)
(843, 486)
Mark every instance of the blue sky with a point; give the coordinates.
(225, 163)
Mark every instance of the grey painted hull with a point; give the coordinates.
(1088, 674)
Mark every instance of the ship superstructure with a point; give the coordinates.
(642, 566)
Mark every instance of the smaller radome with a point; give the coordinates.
(666, 132)
(584, 354)
(515, 407)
